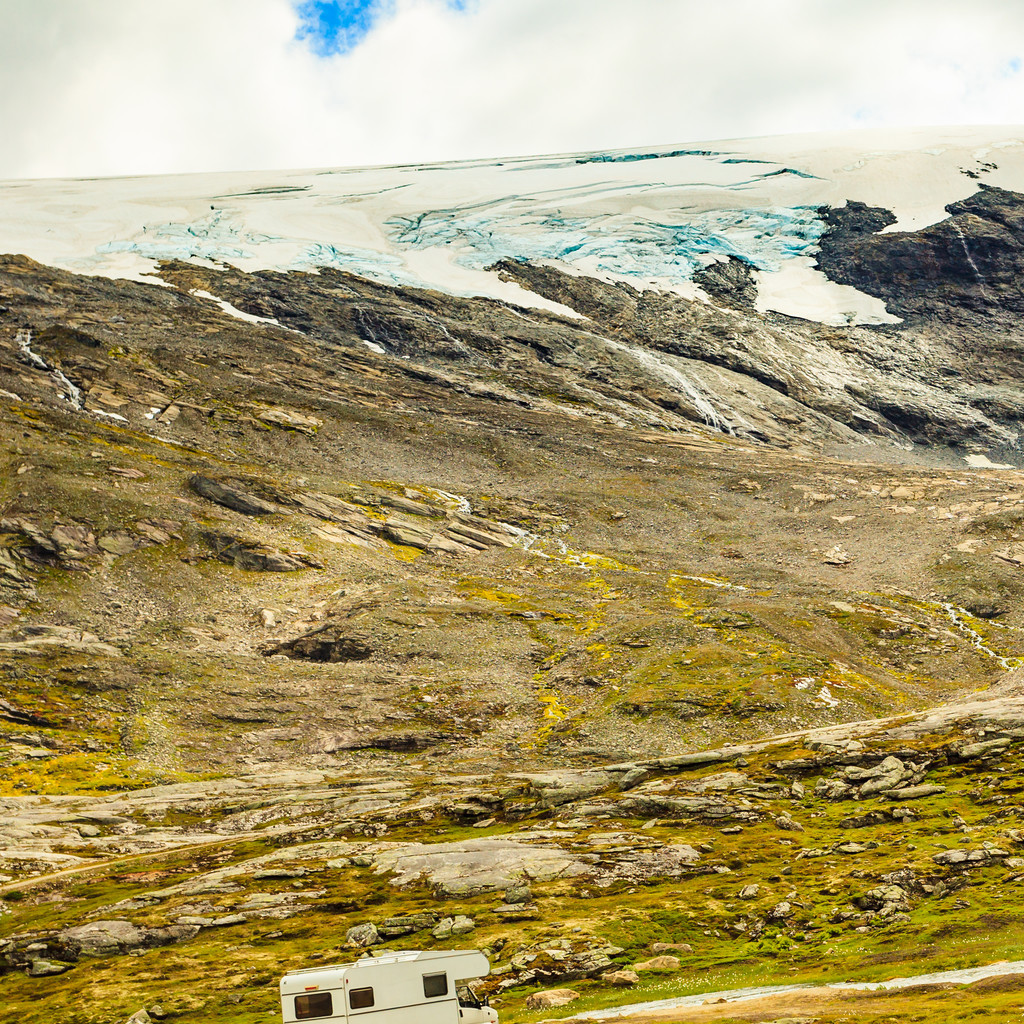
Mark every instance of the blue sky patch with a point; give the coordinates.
(337, 26)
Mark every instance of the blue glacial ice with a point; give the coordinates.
(629, 158)
(218, 239)
(214, 238)
(624, 245)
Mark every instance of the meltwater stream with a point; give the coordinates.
(964, 976)
(73, 394)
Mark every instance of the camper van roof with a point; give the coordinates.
(389, 958)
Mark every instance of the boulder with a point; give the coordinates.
(474, 866)
(555, 788)
(912, 792)
(968, 858)
(833, 789)
(518, 893)
(229, 496)
(623, 979)
(254, 556)
(882, 896)
(395, 927)
(362, 935)
(659, 963)
(551, 998)
(852, 849)
(517, 912)
(836, 556)
(290, 420)
(987, 748)
(73, 541)
(784, 821)
(557, 964)
(44, 640)
(101, 938)
(45, 968)
(647, 802)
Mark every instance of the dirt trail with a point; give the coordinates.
(779, 1001)
(99, 865)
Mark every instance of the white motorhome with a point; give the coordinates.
(400, 988)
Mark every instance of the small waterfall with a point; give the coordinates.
(970, 260)
(73, 394)
(668, 373)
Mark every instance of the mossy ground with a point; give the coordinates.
(676, 596)
(232, 971)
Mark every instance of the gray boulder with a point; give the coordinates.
(362, 935)
(395, 927)
(101, 938)
(45, 968)
(230, 497)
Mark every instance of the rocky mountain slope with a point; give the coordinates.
(341, 612)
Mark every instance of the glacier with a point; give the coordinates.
(650, 218)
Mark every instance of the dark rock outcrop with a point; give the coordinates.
(730, 282)
(230, 496)
(973, 260)
(253, 556)
(329, 642)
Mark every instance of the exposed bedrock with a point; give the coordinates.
(973, 260)
(772, 377)
(730, 281)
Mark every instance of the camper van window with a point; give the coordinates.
(360, 998)
(318, 1004)
(435, 984)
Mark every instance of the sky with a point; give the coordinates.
(114, 87)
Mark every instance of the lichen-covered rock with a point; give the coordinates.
(479, 865)
(395, 927)
(969, 858)
(518, 894)
(254, 556)
(781, 911)
(101, 938)
(45, 968)
(882, 896)
(45, 640)
(362, 935)
(110, 938)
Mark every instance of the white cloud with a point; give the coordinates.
(122, 86)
